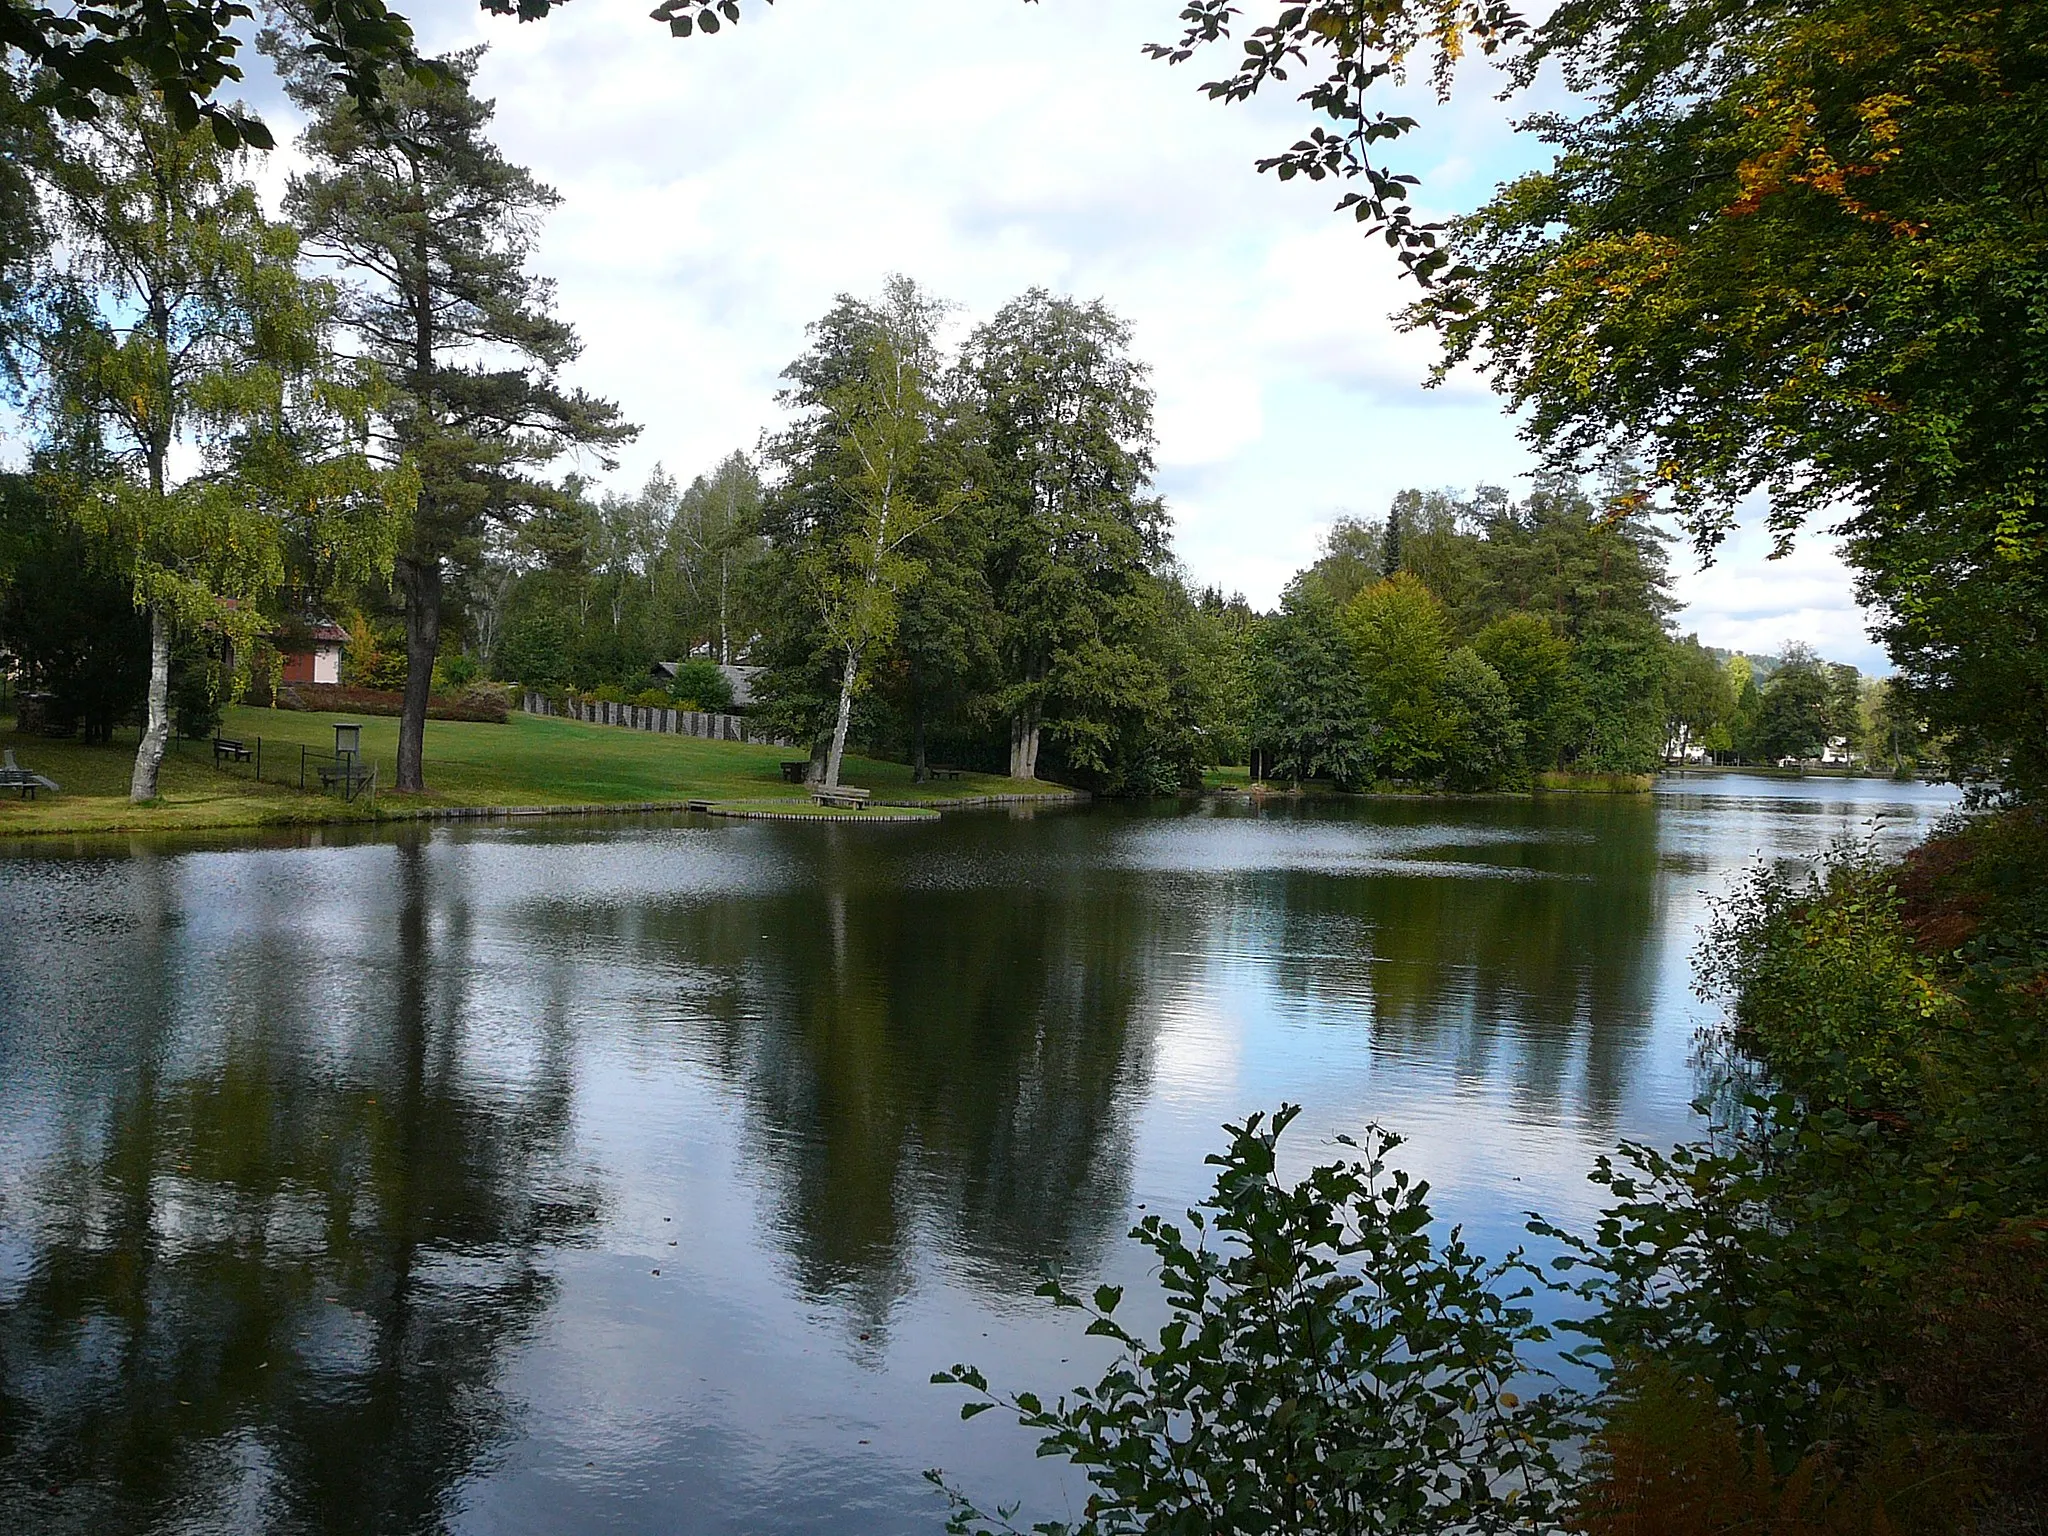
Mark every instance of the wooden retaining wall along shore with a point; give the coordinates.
(703, 807)
(703, 724)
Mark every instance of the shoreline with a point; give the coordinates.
(331, 814)
(1557, 784)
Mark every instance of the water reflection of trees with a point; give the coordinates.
(1533, 961)
(947, 1062)
(274, 1269)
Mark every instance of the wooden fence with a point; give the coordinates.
(635, 717)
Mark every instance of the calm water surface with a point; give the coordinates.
(636, 1177)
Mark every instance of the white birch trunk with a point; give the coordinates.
(156, 732)
(838, 753)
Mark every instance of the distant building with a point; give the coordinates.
(741, 678)
(315, 653)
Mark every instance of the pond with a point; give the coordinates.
(636, 1176)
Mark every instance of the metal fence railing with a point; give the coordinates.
(290, 765)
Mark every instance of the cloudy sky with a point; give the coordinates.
(718, 192)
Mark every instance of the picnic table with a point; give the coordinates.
(842, 797)
(15, 777)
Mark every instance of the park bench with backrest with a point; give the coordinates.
(17, 778)
(841, 797)
(230, 749)
(942, 773)
(793, 772)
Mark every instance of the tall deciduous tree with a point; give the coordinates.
(189, 387)
(1534, 663)
(1793, 722)
(1310, 717)
(863, 473)
(1348, 558)
(1798, 247)
(945, 649)
(712, 541)
(1697, 696)
(436, 228)
(1073, 536)
(1401, 636)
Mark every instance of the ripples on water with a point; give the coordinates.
(335, 1178)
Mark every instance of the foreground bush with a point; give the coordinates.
(1328, 1365)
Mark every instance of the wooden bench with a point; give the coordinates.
(943, 773)
(793, 773)
(232, 750)
(15, 777)
(843, 798)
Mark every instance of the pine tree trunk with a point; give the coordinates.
(156, 733)
(838, 753)
(419, 581)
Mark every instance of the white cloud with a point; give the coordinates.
(1747, 601)
(718, 192)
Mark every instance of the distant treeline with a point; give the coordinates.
(1465, 642)
(955, 555)
(1479, 642)
(961, 545)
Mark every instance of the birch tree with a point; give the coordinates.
(885, 421)
(712, 542)
(188, 385)
(435, 229)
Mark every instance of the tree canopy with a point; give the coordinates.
(185, 52)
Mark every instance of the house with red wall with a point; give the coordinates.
(312, 654)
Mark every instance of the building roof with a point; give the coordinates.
(742, 680)
(318, 631)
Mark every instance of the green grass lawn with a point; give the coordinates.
(529, 761)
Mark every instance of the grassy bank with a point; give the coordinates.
(527, 763)
(1595, 783)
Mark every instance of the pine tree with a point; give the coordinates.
(435, 228)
